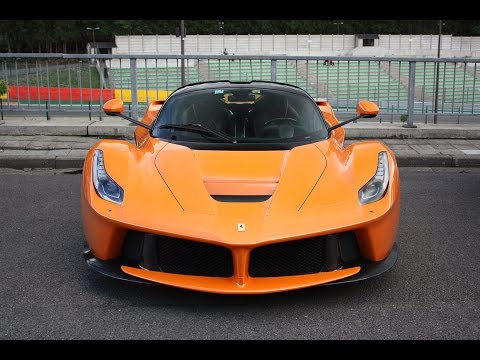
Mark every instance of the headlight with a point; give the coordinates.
(375, 189)
(104, 185)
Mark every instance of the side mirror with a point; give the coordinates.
(113, 107)
(367, 109)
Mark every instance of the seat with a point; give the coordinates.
(268, 108)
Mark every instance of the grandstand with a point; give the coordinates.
(343, 83)
(248, 70)
(166, 75)
(340, 68)
(457, 83)
(300, 45)
(346, 80)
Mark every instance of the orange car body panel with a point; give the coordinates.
(338, 135)
(141, 133)
(240, 286)
(168, 188)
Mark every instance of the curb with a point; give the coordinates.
(35, 162)
(426, 161)
(88, 128)
(48, 130)
(112, 127)
(405, 133)
(437, 161)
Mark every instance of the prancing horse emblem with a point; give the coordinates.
(241, 227)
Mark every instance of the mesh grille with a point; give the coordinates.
(179, 256)
(288, 258)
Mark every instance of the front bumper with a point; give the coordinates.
(233, 285)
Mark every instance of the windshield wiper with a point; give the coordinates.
(199, 128)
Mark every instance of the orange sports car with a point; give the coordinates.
(240, 188)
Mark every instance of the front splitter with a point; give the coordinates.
(113, 269)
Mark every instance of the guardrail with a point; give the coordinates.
(406, 89)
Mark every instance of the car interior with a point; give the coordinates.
(245, 114)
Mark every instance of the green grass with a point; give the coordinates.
(63, 76)
(152, 78)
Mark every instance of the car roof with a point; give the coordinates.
(226, 84)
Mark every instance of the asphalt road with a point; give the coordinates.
(48, 292)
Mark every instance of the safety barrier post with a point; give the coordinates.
(411, 94)
(133, 82)
(1, 112)
(273, 70)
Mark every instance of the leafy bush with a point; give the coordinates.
(3, 87)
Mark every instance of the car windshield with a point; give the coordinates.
(240, 115)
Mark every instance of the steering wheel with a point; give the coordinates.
(282, 119)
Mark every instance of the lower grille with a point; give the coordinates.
(187, 257)
(176, 256)
(296, 257)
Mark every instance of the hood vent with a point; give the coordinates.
(241, 198)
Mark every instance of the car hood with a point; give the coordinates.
(202, 180)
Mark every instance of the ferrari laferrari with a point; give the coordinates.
(240, 188)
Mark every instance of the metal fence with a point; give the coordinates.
(417, 89)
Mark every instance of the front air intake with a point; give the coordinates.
(296, 257)
(177, 256)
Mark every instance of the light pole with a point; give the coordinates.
(338, 23)
(93, 35)
(435, 107)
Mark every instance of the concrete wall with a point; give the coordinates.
(316, 45)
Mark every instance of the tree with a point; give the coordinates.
(71, 35)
